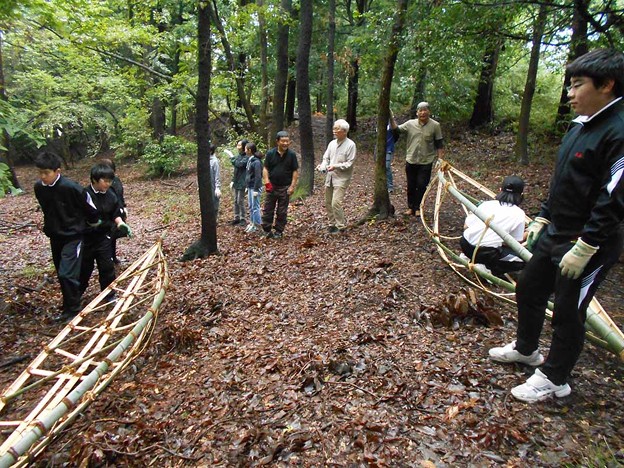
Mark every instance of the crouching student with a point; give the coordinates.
(491, 251)
(98, 239)
(67, 208)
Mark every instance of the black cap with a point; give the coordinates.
(513, 184)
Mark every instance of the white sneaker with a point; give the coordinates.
(539, 388)
(508, 353)
(480, 267)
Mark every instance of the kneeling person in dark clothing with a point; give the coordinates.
(490, 249)
(98, 239)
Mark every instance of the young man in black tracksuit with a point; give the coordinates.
(98, 239)
(576, 238)
(67, 209)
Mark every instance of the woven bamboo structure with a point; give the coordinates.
(82, 360)
(601, 329)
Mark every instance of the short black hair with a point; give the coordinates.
(282, 134)
(48, 160)
(102, 171)
(243, 143)
(252, 147)
(213, 148)
(600, 65)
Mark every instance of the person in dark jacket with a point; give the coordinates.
(67, 208)
(117, 187)
(239, 162)
(253, 183)
(97, 239)
(576, 238)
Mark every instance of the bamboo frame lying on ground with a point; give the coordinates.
(601, 329)
(118, 328)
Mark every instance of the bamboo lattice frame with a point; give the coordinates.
(74, 368)
(600, 327)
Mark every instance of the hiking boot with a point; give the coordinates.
(538, 387)
(509, 354)
(65, 317)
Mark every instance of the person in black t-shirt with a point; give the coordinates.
(280, 176)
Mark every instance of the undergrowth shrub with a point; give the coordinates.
(164, 159)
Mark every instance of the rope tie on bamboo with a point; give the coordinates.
(90, 396)
(39, 425)
(11, 451)
(68, 403)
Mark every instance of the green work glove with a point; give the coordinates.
(123, 227)
(534, 231)
(96, 224)
(575, 260)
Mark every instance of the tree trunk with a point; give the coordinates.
(483, 111)
(5, 156)
(157, 119)
(521, 150)
(578, 47)
(281, 74)
(290, 99)
(207, 242)
(419, 90)
(381, 208)
(240, 83)
(306, 179)
(264, 92)
(329, 104)
(352, 93)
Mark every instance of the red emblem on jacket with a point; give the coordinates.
(578, 155)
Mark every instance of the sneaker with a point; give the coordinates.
(65, 317)
(267, 234)
(251, 228)
(277, 235)
(538, 387)
(508, 353)
(332, 229)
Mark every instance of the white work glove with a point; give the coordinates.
(218, 192)
(321, 168)
(231, 185)
(534, 231)
(255, 193)
(575, 260)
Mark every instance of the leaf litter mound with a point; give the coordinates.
(316, 349)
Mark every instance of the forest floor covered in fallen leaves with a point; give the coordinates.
(314, 349)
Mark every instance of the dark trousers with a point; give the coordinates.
(418, 177)
(97, 249)
(67, 257)
(492, 257)
(275, 206)
(541, 277)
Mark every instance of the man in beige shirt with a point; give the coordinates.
(337, 163)
(424, 144)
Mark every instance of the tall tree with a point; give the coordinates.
(207, 242)
(483, 110)
(329, 103)
(281, 74)
(578, 47)
(264, 78)
(381, 208)
(5, 137)
(303, 96)
(521, 148)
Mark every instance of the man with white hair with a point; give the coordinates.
(424, 144)
(337, 163)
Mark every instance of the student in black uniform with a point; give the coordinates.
(67, 208)
(98, 239)
(576, 238)
(117, 187)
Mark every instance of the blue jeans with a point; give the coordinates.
(254, 207)
(389, 177)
